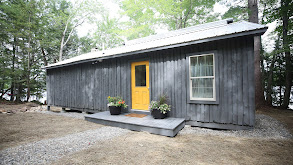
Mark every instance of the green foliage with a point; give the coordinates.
(116, 101)
(162, 99)
(237, 13)
(141, 18)
(154, 105)
(85, 44)
(113, 99)
(107, 34)
(274, 12)
(164, 108)
(32, 32)
(146, 16)
(274, 66)
(161, 104)
(30, 39)
(280, 12)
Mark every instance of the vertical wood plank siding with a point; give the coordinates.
(86, 86)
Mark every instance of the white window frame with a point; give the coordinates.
(214, 79)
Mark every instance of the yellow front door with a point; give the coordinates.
(140, 85)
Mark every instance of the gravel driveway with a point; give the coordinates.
(75, 115)
(265, 127)
(45, 151)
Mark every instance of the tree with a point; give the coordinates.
(72, 16)
(239, 10)
(259, 90)
(29, 40)
(145, 16)
(285, 13)
(141, 19)
(270, 72)
(281, 13)
(107, 33)
(13, 22)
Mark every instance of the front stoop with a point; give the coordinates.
(167, 127)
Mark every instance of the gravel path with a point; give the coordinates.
(75, 115)
(266, 127)
(45, 151)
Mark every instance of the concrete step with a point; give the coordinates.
(146, 112)
(167, 127)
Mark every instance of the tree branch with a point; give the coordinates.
(5, 92)
(76, 25)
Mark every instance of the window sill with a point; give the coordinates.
(202, 102)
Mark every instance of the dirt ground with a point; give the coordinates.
(145, 148)
(285, 116)
(22, 128)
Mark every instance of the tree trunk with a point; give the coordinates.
(280, 84)
(61, 50)
(44, 57)
(288, 61)
(253, 11)
(13, 74)
(259, 90)
(62, 42)
(269, 92)
(280, 95)
(19, 92)
(28, 94)
(270, 81)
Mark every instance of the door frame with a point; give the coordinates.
(150, 79)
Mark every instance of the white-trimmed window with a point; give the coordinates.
(202, 77)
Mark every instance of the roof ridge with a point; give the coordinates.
(177, 32)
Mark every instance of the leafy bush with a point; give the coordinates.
(160, 105)
(116, 101)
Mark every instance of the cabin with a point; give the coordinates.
(207, 72)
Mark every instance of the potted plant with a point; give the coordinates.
(159, 109)
(115, 104)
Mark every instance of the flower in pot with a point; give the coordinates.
(115, 104)
(159, 109)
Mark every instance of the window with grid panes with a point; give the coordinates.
(202, 77)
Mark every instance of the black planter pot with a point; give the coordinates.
(156, 113)
(115, 110)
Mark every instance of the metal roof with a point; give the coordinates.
(195, 34)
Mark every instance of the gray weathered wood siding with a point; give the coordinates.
(86, 86)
